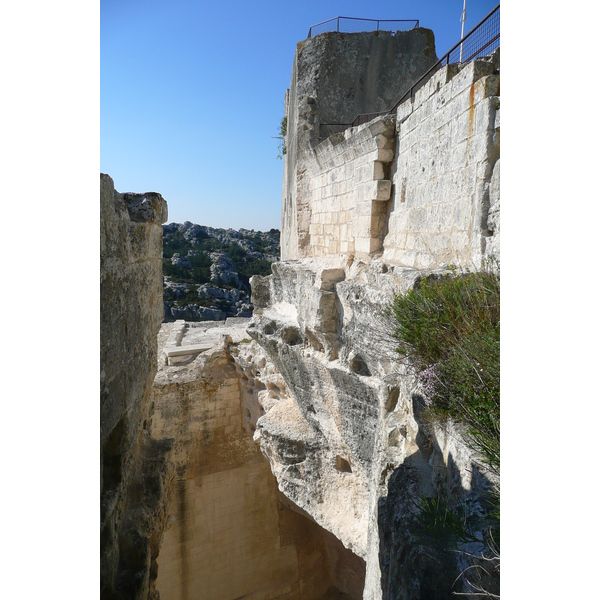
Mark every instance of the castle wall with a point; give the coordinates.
(447, 145)
(415, 187)
(336, 76)
(349, 189)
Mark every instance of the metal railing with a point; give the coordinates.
(483, 39)
(355, 24)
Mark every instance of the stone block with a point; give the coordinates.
(362, 226)
(480, 146)
(463, 126)
(487, 87)
(348, 170)
(363, 209)
(378, 208)
(374, 190)
(383, 124)
(384, 155)
(403, 111)
(383, 141)
(485, 115)
(411, 122)
(363, 245)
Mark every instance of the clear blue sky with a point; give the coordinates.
(191, 95)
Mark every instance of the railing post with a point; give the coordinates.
(338, 24)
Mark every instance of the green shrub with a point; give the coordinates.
(448, 328)
(441, 525)
(236, 253)
(175, 242)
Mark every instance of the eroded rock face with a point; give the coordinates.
(134, 469)
(231, 533)
(347, 444)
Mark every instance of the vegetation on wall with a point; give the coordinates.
(281, 137)
(448, 329)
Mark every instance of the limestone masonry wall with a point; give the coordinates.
(349, 189)
(448, 144)
(334, 78)
(415, 186)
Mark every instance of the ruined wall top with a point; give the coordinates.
(351, 73)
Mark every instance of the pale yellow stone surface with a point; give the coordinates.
(230, 536)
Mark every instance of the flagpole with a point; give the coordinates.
(463, 18)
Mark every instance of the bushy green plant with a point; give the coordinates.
(175, 242)
(449, 329)
(440, 524)
(236, 253)
(255, 266)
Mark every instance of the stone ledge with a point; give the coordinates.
(189, 350)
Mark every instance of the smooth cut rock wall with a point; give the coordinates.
(230, 533)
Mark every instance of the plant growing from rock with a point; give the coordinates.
(281, 137)
(448, 329)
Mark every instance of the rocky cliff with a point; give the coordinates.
(134, 470)
(207, 270)
(368, 213)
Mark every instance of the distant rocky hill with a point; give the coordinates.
(206, 271)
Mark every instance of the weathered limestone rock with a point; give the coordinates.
(133, 470)
(231, 534)
(347, 444)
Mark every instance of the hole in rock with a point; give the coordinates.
(342, 465)
(359, 366)
(291, 336)
(392, 400)
(269, 328)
